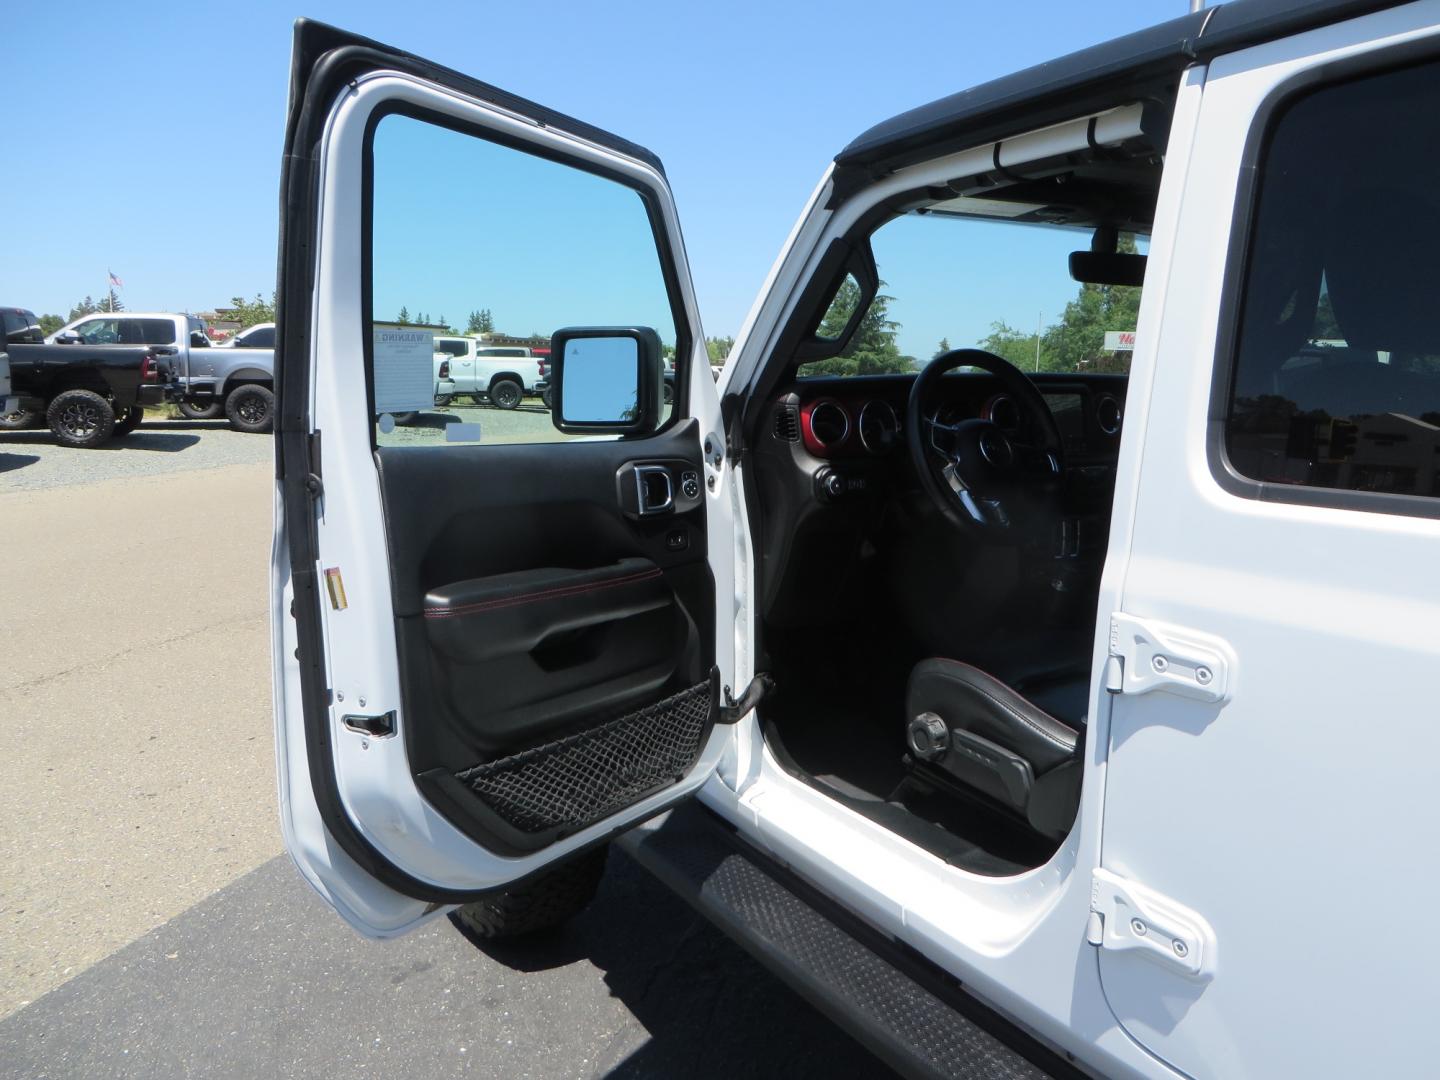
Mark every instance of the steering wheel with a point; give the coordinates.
(985, 480)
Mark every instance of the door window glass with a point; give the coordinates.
(99, 331)
(460, 224)
(146, 331)
(1336, 380)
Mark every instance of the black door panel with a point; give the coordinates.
(534, 604)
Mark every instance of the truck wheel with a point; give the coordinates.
(545, 397)
(540, 904)
(442, 400)
(251, 408)
(669, 393)
(129, 420)
(80, 418)
(191, 411)
(506, 393)
(19, 420)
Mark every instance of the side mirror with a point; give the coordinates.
(606, 380)
(70, 337)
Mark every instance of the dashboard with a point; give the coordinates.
(834, 475)
(864, 417)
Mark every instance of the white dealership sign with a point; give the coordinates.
(1119, 340)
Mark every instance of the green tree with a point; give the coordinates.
(1077, 341)
(943, 347)
(872, 350)
(481, 322)
(250, 312)
(113, 303)
(404, 317)
(50, 323)
(1327, 327)
(719, 348)
(1014, 345)
(85, 307)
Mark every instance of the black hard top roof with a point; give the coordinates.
(1097, 77)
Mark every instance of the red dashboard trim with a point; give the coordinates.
(807, 431)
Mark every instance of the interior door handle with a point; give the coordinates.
(654, 490)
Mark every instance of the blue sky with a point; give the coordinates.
(146, 137)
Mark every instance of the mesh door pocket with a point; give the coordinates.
(575, 781)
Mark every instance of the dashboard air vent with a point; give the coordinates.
(787, 423)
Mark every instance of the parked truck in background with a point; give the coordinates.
(499, 374)
(207, 381)
(259, 336)
(85, 393)
(8, 404)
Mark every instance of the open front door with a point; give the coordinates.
(495, 640)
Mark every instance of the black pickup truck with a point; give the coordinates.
(85, 394)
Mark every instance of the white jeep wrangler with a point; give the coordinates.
(1023, 743)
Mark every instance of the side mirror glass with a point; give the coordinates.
(70, 337)
(606, 380)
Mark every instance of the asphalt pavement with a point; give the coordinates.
(262, 980)
(149, 924)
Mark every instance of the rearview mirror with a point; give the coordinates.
(1107, 268)
(606, 380)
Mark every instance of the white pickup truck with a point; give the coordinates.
(208, 381)
(501, 374)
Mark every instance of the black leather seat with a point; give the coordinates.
(968, 729)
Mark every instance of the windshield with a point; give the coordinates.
(952, 281)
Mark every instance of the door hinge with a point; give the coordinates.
(1126, 916)
(733, 709)
(1146, 655)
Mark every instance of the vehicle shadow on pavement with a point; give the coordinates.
(710, 1010)
(11, 462)
(136, 440)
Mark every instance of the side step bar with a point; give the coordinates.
(909, 1013)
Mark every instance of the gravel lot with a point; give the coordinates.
(31, 460)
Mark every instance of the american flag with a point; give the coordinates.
(115, 280)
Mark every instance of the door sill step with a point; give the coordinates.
(912, 1015)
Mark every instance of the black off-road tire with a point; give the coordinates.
(129, 420)
(191, 411)
(80, 418)
(545, 398)
(251, 408)
(506, 394)
(540, 904)
(20, 420)
(443, 400)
